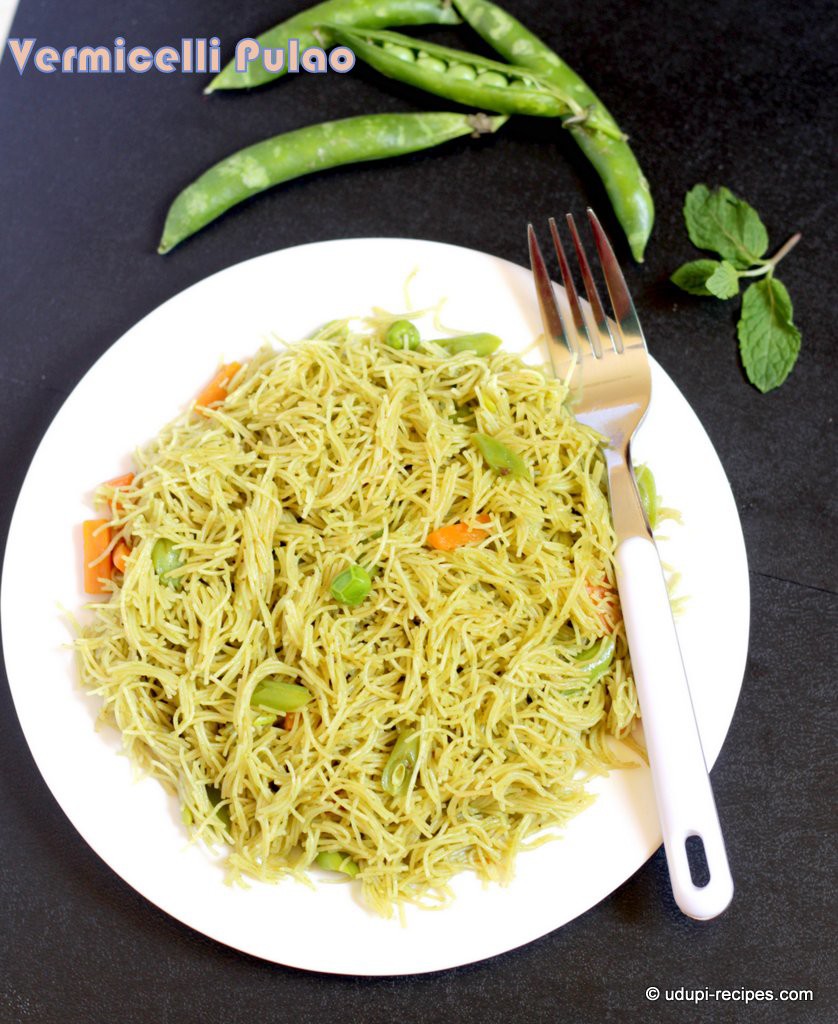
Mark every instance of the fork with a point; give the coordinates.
(606, 362)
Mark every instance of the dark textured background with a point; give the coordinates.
(738, 92)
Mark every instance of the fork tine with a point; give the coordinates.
(605, 333)
(572, 295)
(624, 311)
(550, 312)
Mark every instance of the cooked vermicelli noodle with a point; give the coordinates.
(342, 451)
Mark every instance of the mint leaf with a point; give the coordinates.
(723, 223)
(692, 277)
(768, 340)
(724, 281)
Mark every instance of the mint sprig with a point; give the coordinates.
(718, 220)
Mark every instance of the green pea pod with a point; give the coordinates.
(400, 764)
(504, 88)
(611, 156)
(597, 659)
(330, 860)
(166, 558)
(479, 344)
(352, 585)
(402, 334)
(500, 458)
(223, 812)
(648, 493)
(302, 27)
(315, 148)
(279, 696)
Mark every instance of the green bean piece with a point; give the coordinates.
(303, 26)
(315, 148)
(352, 585)
(330, 860)
(165, 559)
(597, 659)
(402, 334)
(648, 493)
(611, 156)
(479, 344)
(278, 695)
(507, 89)
(222, 813)
(400, 764)
(500, 458)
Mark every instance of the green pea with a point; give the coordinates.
(501, 458)
(165, 560)
(401, 52)
(597, 658)
(279, 696)
(462, 72)
(402, 334)
(648, 493)
(479, 344)
(331, 860)
(400, 764)
(439, 67)
(351, 586)
(492, 78)
(222, 813)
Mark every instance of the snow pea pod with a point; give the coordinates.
(223, 812)
(331, 860)
(500, 458)
(481, 344)
(611, 156)
(400, 764)
(648, 493)
(278, 695)
(302, 27)
(597, 659)
(315, 148)
(351, 586)
(504, 88)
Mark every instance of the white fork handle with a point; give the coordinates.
(682, 786)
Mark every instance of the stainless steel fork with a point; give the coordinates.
(608, 366)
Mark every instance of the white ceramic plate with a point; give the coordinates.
(144, 380)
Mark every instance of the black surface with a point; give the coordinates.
(737, 93)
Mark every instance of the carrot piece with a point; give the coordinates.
(607, 602)
(290, 718)
(119, 554)
(96, 537)
(216, 390)
(120, 481)
(447, 538)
